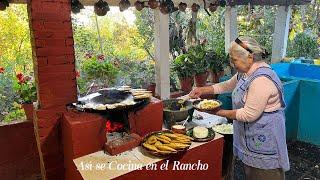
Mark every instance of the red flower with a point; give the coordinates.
(77, 73)
(2, 70)
(21, 81)
(19, 76)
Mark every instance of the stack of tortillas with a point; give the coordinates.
(141, 93)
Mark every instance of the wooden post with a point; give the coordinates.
(162, 54)
(231, 30)
(281, 33)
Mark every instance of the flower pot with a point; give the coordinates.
(212, 77)
(152, 87)
(215, 77)
(219, 75)
(201, 79)
(28, 109)
(186, 84)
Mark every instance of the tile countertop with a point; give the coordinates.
(99, 165)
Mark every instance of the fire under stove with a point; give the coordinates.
(125, 126)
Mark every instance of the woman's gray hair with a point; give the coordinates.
(258, 51)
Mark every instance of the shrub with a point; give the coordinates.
(304, 45)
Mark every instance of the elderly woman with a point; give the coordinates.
(258, 111)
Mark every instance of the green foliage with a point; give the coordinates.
(145, 26)
(25, 87)
(196, 55)
(304, 45)
(138, 74)
(16, 113)
(217, 61)
(183, 66)
(7, 97)
(100, 70)
(15, 38)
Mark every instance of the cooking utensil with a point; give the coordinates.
(109, 99)
(196, 106)
(183, 99)
(175, 112)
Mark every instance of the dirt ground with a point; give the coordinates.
(304, 162)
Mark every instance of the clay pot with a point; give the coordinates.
(164, 8)
(124, 5)
(180, 129)
(222, 3)
(213, 7)
(195, 7)
(2, 6)
(183, 7)
(101, 8)
(153, 4)
(201, 79)
(28, 109)
(139, 5)
(215, 77)
(186, 84)
(219, 75)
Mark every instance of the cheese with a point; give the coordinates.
(200, 132)
(178, 127)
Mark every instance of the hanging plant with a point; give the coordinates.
(213, 7)
(4, 4)
(153, 4)
(124, 5)
(183, 7)
(139, 5)
(223, 3)
(195, 7)
(101, 8)
(76, 6)
(167, 6)
(164, 7)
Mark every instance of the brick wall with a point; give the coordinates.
(54, 67)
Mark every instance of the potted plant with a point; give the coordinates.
(26, 89)
(183, 66)
(97, 69)
(197, 55)
(217, 63)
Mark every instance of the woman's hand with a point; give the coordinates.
(198, 91)
(215, 111)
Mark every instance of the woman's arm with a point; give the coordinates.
(219, 88)
(230, 114)
(226, 86)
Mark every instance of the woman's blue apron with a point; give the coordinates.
(261, 143)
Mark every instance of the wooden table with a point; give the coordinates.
(204, 158)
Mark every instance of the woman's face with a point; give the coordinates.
(239, 63)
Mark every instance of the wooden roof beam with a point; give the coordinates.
(268, 2)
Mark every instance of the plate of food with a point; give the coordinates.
(201, 134)
(165, 143)
(207, 105)
(223, 129)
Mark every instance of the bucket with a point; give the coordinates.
(317, 62)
